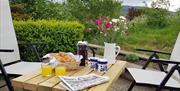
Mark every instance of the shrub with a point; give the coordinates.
(173, 18)
(19, 16)
(105, 29)
(138, 23)
(132, 13)
(46, 9)
(157, 14)
(131, 57)
(18, 12)
(59, 35)
(39, 9)
(91, 9)
(156, 17)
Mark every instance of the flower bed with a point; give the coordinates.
(105, 29)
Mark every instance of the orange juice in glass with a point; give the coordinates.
(46, 69)
(60, 71)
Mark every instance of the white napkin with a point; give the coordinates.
(52, 60)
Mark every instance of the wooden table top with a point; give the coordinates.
(36, 82)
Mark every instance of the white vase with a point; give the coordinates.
(111, 51)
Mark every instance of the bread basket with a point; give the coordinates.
(69, 63)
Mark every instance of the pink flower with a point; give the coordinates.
(99, 17)
(89, 30)
(126, 33)
(97, 27)
(102, 31)
(91, 21)
(108, 25)
(98, 22)
(105, 17)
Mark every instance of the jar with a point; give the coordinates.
(102, 65)
(93, 61)
(82, 50)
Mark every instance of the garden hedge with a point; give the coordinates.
(59, 35)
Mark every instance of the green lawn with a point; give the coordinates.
(158, 39)
(161, 39)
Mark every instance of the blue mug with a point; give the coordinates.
(93, 63)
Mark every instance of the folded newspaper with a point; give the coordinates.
(82, 82)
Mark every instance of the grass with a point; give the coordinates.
(160, 39)
(154, 39)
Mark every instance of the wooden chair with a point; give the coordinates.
(164, 79)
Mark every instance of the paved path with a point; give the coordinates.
(123, 84)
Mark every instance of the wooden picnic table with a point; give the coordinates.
(36, 82)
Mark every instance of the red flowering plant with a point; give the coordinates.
(104, 28)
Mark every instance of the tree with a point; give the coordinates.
(91, 9)
(41, 9)
(156, 16)
(163, 4)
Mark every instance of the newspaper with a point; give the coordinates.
(82, 82)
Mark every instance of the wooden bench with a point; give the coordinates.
(36, 82)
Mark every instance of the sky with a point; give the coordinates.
(174, 4)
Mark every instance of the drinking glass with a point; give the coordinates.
(46, 69)
(60, 71)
